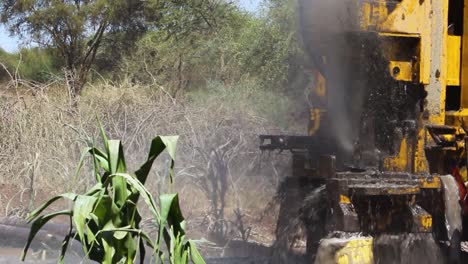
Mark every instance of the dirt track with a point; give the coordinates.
(14, 232)
(46, 245)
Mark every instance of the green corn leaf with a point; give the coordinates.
(180, 256)
(120, 233)
(147, 197)
(130, 245)
(171, 145)
(117, 164)
(157, 147)
(135, 231)
(101, 159)
(104, 210)
(95, 189)
(91, 237)
(37, 224)
(98, 154)
(185, 256)
(121, 165)
(119, 185)
(41, 208)
(107, 219)
(116, 157)
(103, 135)
(171, 213)
(82, 158)
(109, 253)
(81, 210)
(109, 226)
(194, 254)
(131, 248)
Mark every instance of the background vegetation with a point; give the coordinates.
(217, 82)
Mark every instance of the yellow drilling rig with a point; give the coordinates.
(388, 125)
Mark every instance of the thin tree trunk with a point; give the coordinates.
(75, 83)
(180, 78)
(223, 68)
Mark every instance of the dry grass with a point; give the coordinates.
(41, 137)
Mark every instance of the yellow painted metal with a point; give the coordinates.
(448, 138)
(437, 65)
(345, 199)
(401, 70)
(458, 118)
(401, 35)
(373, 13)
(400, 162)
(357, 251)
(426, 222)
(442, 61)
(430, 183)
(464, 174)
(320, 85)
(320, 91)
(420, 162)
(453, 60)
(315, 119)
(409, 18)
(464, 64)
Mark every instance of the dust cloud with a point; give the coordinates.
(323, 27)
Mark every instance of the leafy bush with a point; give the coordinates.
(38, 64)
(263, 48)
(31, 63)
(106, 218)
(8, 61)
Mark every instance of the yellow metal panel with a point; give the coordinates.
(433, 183)
(457, 118)
(399, 162)
(453, 60)
(402, 35)
(464, 174)
(356, 252)
(345, 199)
(315, 120)
(365, 15)
(420, 161)
(464, 63)
(401, 70)
(426, 222)
(414, 17)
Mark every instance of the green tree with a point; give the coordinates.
(280, 58)
(184, 54)
(34, 64)
(76, 28)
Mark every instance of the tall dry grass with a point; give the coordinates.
(41, 137)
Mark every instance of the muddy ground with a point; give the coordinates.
(45, 248)
(14, 232)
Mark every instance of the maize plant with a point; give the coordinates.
(105, 219)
